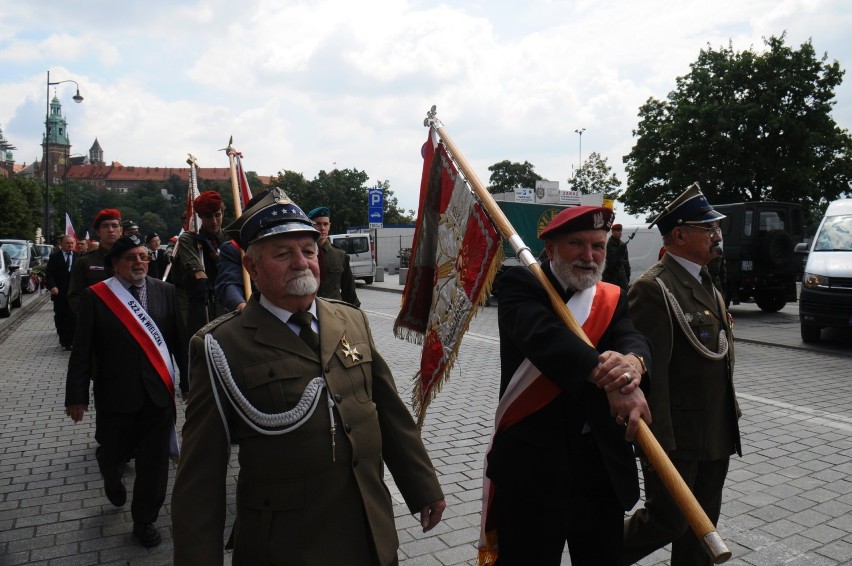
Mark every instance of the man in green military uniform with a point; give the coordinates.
(93, 267)
(336, 279)
(297, 383)
(692, 401)
(196, 263)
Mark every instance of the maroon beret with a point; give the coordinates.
(106, 214)
(578, 218)
(207, 202)
(617, 227)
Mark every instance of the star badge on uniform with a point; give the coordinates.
(349, 351)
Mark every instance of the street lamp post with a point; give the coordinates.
(580, 154)
(77, 98)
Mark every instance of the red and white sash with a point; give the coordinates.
(145, 332)
(528, 391)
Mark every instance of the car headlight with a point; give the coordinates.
(812, 280)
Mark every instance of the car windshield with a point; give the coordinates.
(352, 245)
(16, 251)
(835, 235)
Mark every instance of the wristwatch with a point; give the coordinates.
(641, 362)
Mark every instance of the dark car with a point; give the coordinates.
(10, 285)
(759, 240)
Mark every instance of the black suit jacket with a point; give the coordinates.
(57, 274)
(529, 328)
(105, 352)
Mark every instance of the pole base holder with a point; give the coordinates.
(716, 547)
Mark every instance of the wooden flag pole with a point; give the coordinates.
(238, 209)
(689, 506)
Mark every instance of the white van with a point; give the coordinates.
(826, 298)
(643, 247)
(359, 248)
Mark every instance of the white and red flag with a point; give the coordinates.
(454, 257)
(69, 228)
(242, 181)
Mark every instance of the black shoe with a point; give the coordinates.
(147, 534)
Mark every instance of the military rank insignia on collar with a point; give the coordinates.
(349, 351)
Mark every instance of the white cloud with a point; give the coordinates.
(310, 85)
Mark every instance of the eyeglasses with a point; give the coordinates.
(712, 230)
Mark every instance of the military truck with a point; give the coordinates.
(759, 241)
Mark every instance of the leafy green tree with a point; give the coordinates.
(344, 192)
(294, 185)
(747, 126)
(507, 176)
(20, 207)
(595, 176)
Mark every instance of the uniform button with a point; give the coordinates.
(271, 372)
(338, 397)
(354, 462)
(347, 427)
(327, 369)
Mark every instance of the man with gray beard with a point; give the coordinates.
(297, 383)
(561, 465)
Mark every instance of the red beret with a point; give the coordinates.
(578, 218)
(106, 214)
(617, 227)
(207, 202)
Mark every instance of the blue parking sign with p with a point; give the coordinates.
(375, 207)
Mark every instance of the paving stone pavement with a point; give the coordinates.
(788, 500)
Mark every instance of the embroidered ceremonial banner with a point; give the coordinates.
(454, 258)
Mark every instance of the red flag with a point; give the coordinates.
(242, 181)
(454, 257)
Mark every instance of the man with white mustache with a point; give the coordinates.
(561, 464)
(295, 381)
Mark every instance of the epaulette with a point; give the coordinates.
(338, 302)
(214, 323)
(653, 271)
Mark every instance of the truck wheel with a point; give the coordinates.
(368, 280)
(776, 248)
(770, 302)
(810, 333)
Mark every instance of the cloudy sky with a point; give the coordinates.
(315, 85)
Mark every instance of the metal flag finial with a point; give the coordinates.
(431, 119)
